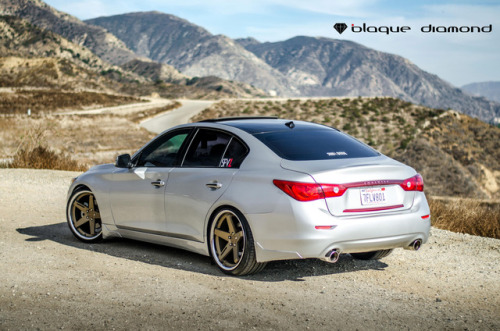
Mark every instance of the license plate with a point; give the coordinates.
(374, 196)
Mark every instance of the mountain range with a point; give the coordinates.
(300, 66)
(193, 50)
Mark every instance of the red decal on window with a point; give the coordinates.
(226, 163)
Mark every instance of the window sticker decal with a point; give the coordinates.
(226, 163)
(336, 153)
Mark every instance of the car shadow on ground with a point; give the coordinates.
(293, 270)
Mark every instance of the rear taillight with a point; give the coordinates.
(333, 190)
(300, 191)
(313, 191)
(309, 191)
(415, 183)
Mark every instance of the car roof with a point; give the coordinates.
(254, 125)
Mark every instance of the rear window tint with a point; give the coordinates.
(322, 144)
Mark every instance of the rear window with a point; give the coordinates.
(322, 144)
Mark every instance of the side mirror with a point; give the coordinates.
(122, 161)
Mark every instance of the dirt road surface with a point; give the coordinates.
(49, 280)
(123, 109)
(175, 117)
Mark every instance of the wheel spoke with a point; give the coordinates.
(92, 226)
(91, 202)
(230, 223)
(80, 206)
(222, 234)
(80, 222)
(97, 215)
(236, 255)
(225, 252)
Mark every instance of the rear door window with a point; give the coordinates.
(213, 148)
(234, 155)
(207, 149)
(318, 144)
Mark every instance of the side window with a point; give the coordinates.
(207, 149)
(235, 154)
(164, 152)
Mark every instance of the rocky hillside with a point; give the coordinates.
(102, 43)
(489, 90)
(193, 50)
(31, 56)
(329, 67)
(155, 71)
(35, 57)
(456, 154)
(162, 74)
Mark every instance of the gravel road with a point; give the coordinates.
(175, 117)
(49, 280)
(123, 109)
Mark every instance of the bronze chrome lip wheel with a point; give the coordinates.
(83, 215)
(227, 240)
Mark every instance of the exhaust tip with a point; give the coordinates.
(332, 256)
(415, 245)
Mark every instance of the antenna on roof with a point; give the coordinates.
(290, 124)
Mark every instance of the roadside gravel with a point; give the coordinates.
(49, 280)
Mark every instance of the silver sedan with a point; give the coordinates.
(246, 191)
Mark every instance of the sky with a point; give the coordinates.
(459, 58)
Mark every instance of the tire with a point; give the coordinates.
(82, 214)
(375, 255)
(231, 243)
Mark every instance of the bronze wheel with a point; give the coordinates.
(231, 243)
(83, 216)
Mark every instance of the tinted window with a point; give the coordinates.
(207, 149)
(319, 144)
(164, 151)
(235, 154)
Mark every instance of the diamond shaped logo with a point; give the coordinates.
(340, 27)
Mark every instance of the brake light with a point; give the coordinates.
(309, 191)
(300, 191)
(415, 183)
(313, 191)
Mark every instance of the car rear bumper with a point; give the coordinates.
(291, 233)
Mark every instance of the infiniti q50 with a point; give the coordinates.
(246, 191)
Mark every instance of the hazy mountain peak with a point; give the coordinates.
(489, 90)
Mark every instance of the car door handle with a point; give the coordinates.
(158, 183)
(214, 185)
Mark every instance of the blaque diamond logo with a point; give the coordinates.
(340, 27)
(430, 28)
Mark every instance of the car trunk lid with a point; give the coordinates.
(372, 185)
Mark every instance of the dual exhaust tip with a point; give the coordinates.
(333, 255)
